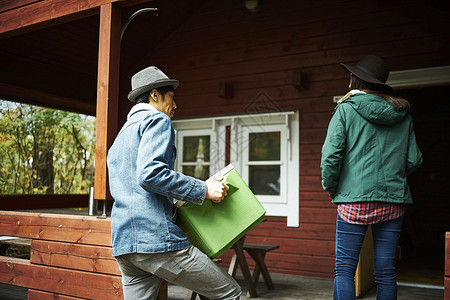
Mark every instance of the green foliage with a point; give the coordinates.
(45, 151)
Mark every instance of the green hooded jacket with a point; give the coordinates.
(368, 152)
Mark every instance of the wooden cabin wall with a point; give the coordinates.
(258, 52)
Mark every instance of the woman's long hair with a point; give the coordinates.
(397, 103)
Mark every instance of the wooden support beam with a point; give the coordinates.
(107, 94)
(40, 14)
(6, 5)
(24, 95)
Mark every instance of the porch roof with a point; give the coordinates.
(49, 48)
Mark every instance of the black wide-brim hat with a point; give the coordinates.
(148, 79)
(371, 69)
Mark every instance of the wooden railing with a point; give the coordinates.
(70, 257)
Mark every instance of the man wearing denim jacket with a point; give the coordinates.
(148, 246)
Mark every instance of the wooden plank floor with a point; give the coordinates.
(290, 287)
(287, 287)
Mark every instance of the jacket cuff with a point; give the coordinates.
(197, 194)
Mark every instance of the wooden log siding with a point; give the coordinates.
(70, 256)
(259, 51)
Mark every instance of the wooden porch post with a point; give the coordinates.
(108, 101)
(107, 93)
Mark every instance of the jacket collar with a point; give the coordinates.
(351, 93)
(141, 107)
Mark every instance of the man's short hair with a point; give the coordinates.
(144, 97)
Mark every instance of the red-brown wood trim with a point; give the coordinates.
(46, 13)
(20, 94)
(6, 5)
(227, 145)
(447, 288)
(40, 295)
(447, 253)
(89, 258)
(107, 93)
(56, 227)
(75, 283)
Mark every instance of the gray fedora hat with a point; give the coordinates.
(370, 69)
(148, 79)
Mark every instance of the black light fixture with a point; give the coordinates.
(225, 90)
(149, 9)
(253, 5)
(299, 80)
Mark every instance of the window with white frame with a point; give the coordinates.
(194, 154)
(263, 148)
(264, 161)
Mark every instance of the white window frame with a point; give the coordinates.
(285, 205)
(244, 143)
(187, 133)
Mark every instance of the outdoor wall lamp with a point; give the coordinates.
(253, 5)
(225, 90)
(149, 9)
(299, 80)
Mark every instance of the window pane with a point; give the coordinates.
(264, 146)
(196, 148)
(199, 171)
(264, 180)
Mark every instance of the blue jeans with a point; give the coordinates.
(142, 274)
(349, 239)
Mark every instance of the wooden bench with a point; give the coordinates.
(258, 253)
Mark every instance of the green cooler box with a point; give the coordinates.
(215, 227)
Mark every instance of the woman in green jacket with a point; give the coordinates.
(369, 150)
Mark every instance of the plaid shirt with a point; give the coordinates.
(365, 213)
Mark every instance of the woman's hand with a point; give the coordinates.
(216, 190)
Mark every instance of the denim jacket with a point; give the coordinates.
(143, 184)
